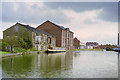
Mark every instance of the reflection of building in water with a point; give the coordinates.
(52, 63)
(19, 66)
(37, 65)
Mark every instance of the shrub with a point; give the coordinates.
(19, 50)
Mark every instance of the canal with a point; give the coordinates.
(76, 64)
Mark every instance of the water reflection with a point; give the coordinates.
(17, 66)
(78, 64)
(52, 65)
(95, 64)
(38, 66)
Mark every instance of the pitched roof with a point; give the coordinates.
(35, 29)
(61, 27)
(75, 39)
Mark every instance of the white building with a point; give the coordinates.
(82, 45)
(91, 45)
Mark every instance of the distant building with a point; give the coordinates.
(90, 45)
(76, 43)
(82, 45)
(64, 37)
(105, 46)
(40, 39)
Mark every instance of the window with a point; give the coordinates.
(49, 40)
(16, 28)
(38, 39)
(7, 36)
(37, 34)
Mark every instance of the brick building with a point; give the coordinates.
(90, 45)
(105, 46)
(76, 43)
(94, 44)
(64, 37)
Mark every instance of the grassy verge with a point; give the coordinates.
(24, 50)
(2, 52)
(17, 50)
(87, 49)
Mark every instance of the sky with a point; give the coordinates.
(90, 21)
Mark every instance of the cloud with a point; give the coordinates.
(31, 13)
(59, 0)
(79, 18)
(88, 22)
(99, 30)
(109, 13)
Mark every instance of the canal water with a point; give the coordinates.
(76, 64)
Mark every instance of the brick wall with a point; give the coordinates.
(64, 38)
(76, 43)
(52, 29)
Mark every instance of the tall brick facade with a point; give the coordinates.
(64, 37)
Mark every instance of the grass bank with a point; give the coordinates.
(21, 50)
(87, 49)
(2, 52)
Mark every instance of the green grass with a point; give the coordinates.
(24, 50)
(88, 49)
(2, 52)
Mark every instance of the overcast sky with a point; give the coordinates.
(90, 21)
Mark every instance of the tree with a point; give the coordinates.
(23, 40)
(3, 44)
(12, 42)
(26, 40)
(21, 43)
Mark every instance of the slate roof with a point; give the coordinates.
(91, 43)
(61, 27)
(35, 29)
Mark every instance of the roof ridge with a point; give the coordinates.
(61, 27)
(35, 29)
(57, 25)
